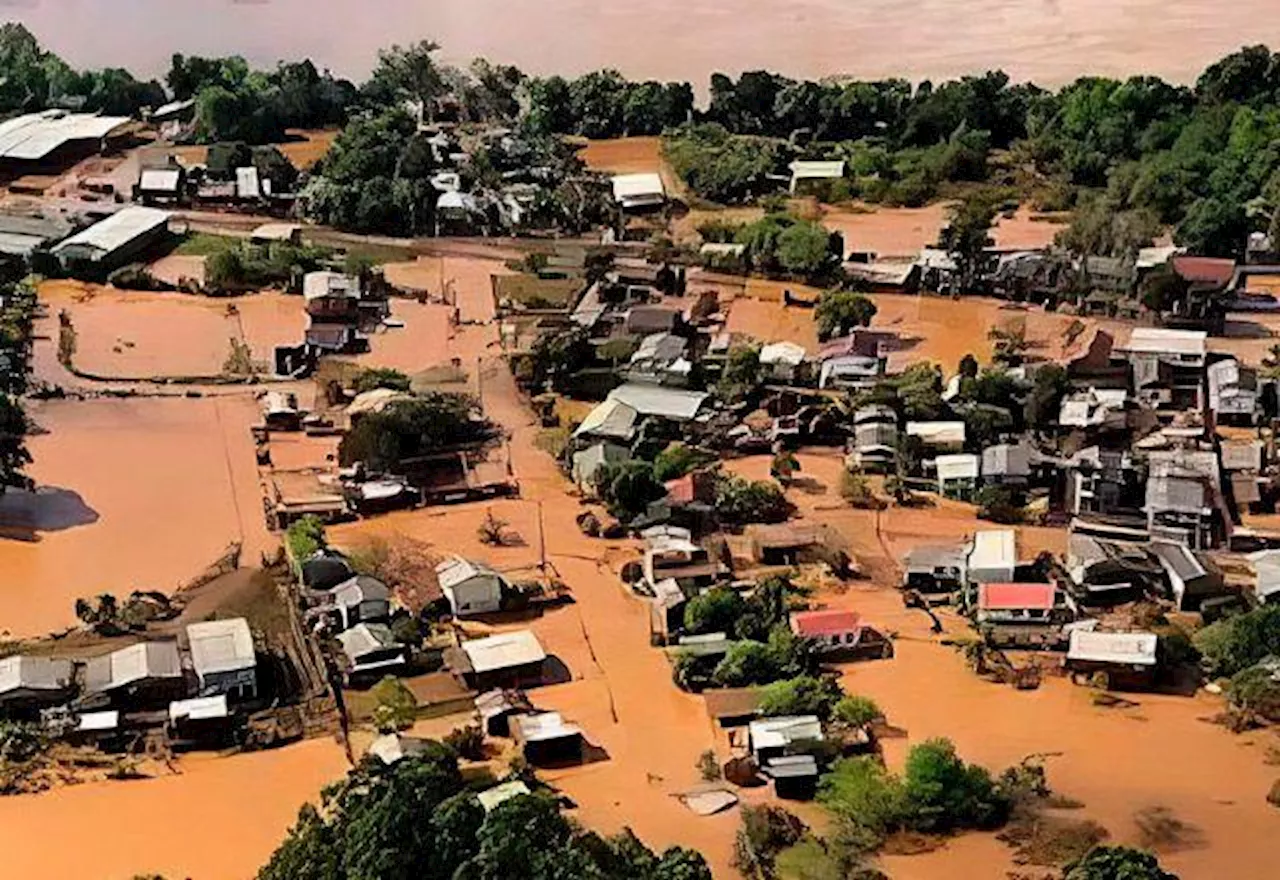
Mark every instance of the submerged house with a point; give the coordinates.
(546, 738)
(122, 238)
(362, 599)
(958, 475)
(1234, 394)
(992, 557)
(875, 438)
(1183, 498)
(1192, 577)
(1123, 660)
(1024, 614)
(836, 632)
(1167, 366)
(776, 737)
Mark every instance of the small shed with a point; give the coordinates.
(639, 191)
(546, 738)
(934, 569)
(490, 798)
(732, 707)
(201, 721)
(471, 587)
(392, 747)
(141, 675)
(803, 170)
(789, 543)
(781, 361)
(958, 475)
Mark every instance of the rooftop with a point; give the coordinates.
(937, 432)
(543, 727)
(504, 651)
(221, 646)
(1158, 340)
(780, 732)
(365, 638)
(824, 623)
(1016, 597)
(652, 400)
(994, 548)
(35, 135)
(958, 467)
(145, 660)
(33, 673)
(490, 798)
(817, 170)
(199, 709)
(454, 571)
(613, 418)
(118, 230)
(1137, 648)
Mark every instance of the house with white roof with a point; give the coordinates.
(223, 656)
(634, 192)
(471, 587)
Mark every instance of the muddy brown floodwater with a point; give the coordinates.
(170, 482)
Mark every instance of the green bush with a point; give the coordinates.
(1233, 645)
(802, 695)
(856, 711)
(305, 537)
(380, 377)
(396, 707)
(740, 501)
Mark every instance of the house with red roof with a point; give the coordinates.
(839, 631)
(1022, 613)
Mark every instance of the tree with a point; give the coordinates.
(396, 707)
(802, 695)
(677, 460)
(14, 456)
(628, 487)
(784, 466)
(1116, 863)
(716, 610)
(856, 711)
(766, 831)
(412, 72)
(1044, 401)
(428, 423)
(968, 368)
(968, 234)
(741, 371)
(942, 792)
(804, 249)
(741, 501)
(855, 489)
(860, 790)
(1232, 645)
(380, 377)
(839, 311)
(998, 504)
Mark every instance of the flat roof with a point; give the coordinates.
(817, 170)
(994, 548)
(544, 727)
(1159, 340)
(118, 230)
(937, 432)
(1135, 648)
(34, 673)
(199, 708)
(958, 467)
(504, 651)
(773, 733)
(221, 646)
(630, 187)
(490, 798)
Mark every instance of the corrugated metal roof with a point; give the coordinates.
(613, 418)
(543, 726)
(638, 188)
(145, 660)
(788, 353)
(825, 623)
(118, 230)
(36, 135)
(500, 794)
(221, 646)
(503, 651)
(248, 185)
(937, 433)
(199, 708)
(364, 638)
(1159, 340)
(1130, 648)
(651, 400)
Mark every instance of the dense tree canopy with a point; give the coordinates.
(416, 820)
(429, 423)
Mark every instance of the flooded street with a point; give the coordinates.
(179, 483)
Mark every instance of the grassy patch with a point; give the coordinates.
(204, 244)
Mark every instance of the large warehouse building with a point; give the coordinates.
(54, 139)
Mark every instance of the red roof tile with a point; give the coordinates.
(1204, 270)
(1010, 597)
(825, 623)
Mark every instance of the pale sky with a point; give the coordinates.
(1051, 41)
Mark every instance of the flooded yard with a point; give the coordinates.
(134, 494)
